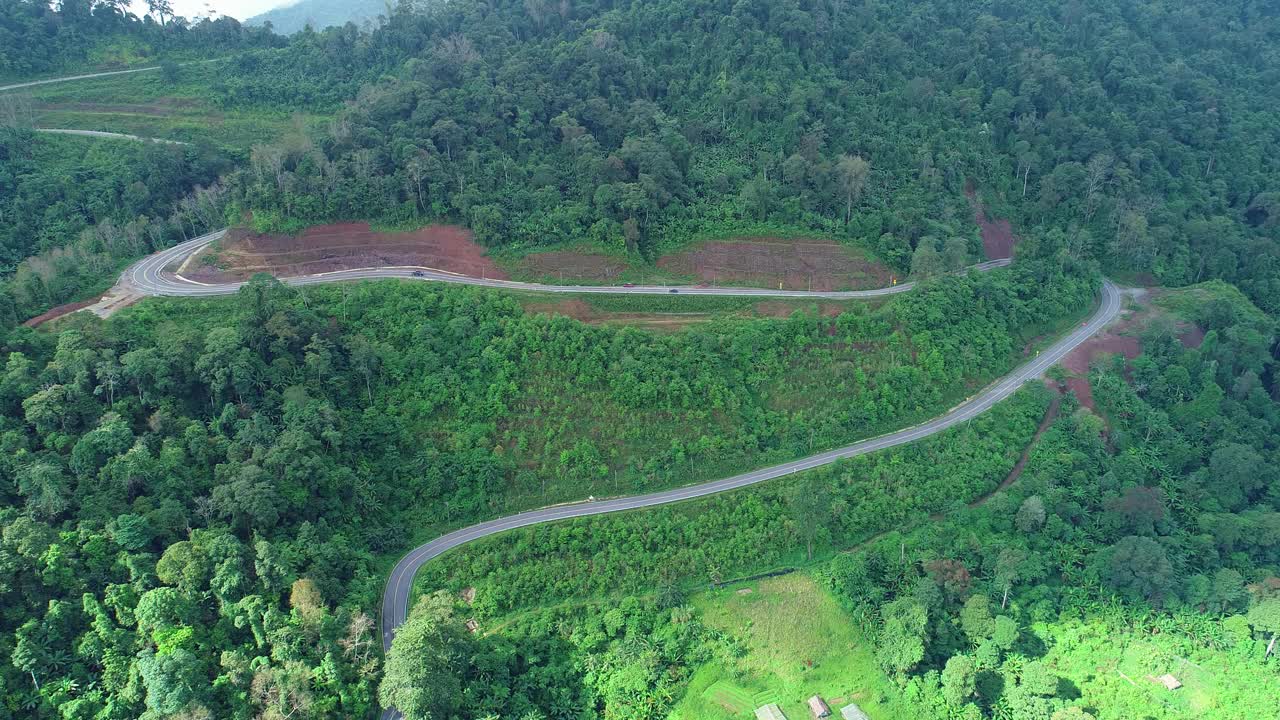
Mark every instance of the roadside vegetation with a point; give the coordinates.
(38, 41)
(1134, 544)
(77, 209)
(240, 470)
(191, 103)
(199, 499)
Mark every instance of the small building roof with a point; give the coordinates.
(1169, 681)
(818, 707)
(770, 712)
(853, 712)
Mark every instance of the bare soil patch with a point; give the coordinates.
(1083, 390)
(998, 239)
(1122, 338)
(61, 310)
(160, 107)
(1191, 337)
(342, 246)
(581, 310)
(584, 267)
(796, 264)
(1108, 342)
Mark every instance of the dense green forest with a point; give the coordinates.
(199, 499)
(1141, 134)
(1156, 515)
(199, 492)
(77, 209)
(37, 39)
(1138, 134)
(53, 188)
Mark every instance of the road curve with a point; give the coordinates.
(395, 599)
(69, 78)
(105, 134)
(150, 277)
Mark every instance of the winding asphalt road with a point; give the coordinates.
(398, 586)
(154, 275)
(150, 276)
(90, 76)
(395, 599)
(69, 78)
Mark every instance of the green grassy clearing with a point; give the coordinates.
(149, 105)
(796, 642)
(232, 129)
(1192, 302)
(1113, 669)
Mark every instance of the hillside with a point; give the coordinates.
(216, 507)
(320, 14)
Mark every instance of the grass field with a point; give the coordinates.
(149, 105)
(1113, 669)
(796, 643)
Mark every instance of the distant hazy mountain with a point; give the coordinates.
(320, 13)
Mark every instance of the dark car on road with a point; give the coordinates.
(419, 273)
(673, 291)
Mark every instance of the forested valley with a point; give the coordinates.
(200, 500)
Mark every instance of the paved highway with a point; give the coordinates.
(395, 599)
(90, 76)
(69, 78)
(153, 276)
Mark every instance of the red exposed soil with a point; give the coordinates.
(1084, 392)
(798, 264)
(1122, 339)
(1078, 360)
(580, 310)
(59, 311)
(1192, 338)
(585, 267)
(997, 235)
(344, 246)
